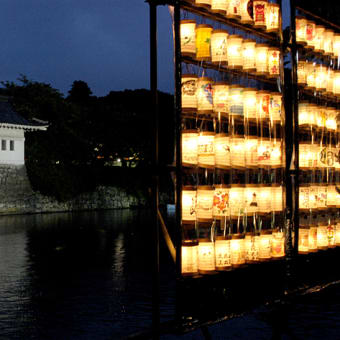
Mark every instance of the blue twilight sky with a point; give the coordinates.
(105, 43)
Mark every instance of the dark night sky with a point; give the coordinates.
(105, 43)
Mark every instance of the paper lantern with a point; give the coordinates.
(234, 51)
(203, 3)
(221, 201)
(321, 78)
(330, 82)
(236, 198)
(220, 97)
(319, 114)
(206, 256)
(259, 12)
(331, 235)
(315, 151)
(276, 198)
(235, 100)
(336, 45)
(303, 240)
(222, 253)
(303, 197)
(189, 93)
(204, 95)
(322, 197)
(264, 151)
(205, 197)
(328, 36)
(305, 156)
(237, 250)
(262, 59)
(249, 55)
(313, 239)
(222, 151)
(272, 17)
(206, 149)
(189, 147)
(310, 75)
(278, 245)
(251, 243)
(265, 247)
(237, 157)
(302, 73)
(251, 158)
(203, 39)
(264, 200)
(313, 196)
(219, 39)
(249, 103)
(336, 83)
(276, 154)
(337, 234)
(189, 258)
(322, 238)
(331, 115)
(275, 106)
(251, 197)
(318, 39)
(234, 9)
(310, 33)
(301, 28)
(274, 62)
(188, 37)
(189, 203)
(219, 6)
(246, 12)
(262, 104)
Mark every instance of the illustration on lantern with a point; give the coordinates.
(221, 202)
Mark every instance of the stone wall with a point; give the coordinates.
(17, 197)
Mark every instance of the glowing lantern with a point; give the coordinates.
(204, 95)
(189, 258)
(220, 97)
(251, 243)
(276, 154)
(336, 45)
(322, 237)
(265, 246)
(262, 59)
(313, 239)
(206, 149)
(249, 103)
(188, 37)
(305, 156)
(189, 147)
(251, 160)
(236, 196)
(219, 46)
(237, 250)
(234, 51)
(251, 196)
(205, 197)
(219, 6)
(234, 9)
(246, 12)
(310, 75)
(301, 25)
(313, 196)
(330, 81)
(262, 104)
(278, 245)
(303, 240)
(189, 89)
(302, 73)
(320, 115)
(276, 198)
(336, 83)
(310, 33)
(236, 100)
(318, 39)
(188, 203)
(321, 78)
(303, 197)
(237, 150)
(203, 39)
(222, 253)
(249, 55)
(264, 151)
(259, 10)
(331, 115)
(221, 201)
(275, 106)
(273, 62)
(331, 236)
(264, 200)
(272, 17)
(206, 256)
(328, 36)
(222, 151)
(203, 3)
(337, 234)
(322, 197)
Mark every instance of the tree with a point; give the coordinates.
(80, 92)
